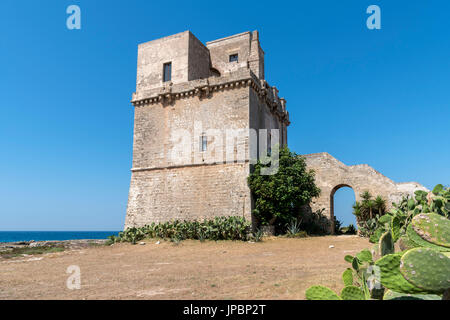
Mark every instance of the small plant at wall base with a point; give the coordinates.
(279, 197)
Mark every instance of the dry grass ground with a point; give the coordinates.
(278, 268)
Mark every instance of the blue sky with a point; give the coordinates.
(379, 97)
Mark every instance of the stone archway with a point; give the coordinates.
(333, 192)
(331, 175)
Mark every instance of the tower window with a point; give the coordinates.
(203, 143)
(234, 58)
(167, 72)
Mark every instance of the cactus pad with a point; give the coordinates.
(391, 276)
(433, 228)
(364, 256)
(352, 293)
(356, 263)
(386, 244)
(385, 219)
(392, 295)
(414, 237)
(427, 269)
(348, 258)
(321, 293)
(347, 277)
(405, 243)
(395, 228)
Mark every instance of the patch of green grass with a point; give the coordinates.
(95, 244)
(16, 252)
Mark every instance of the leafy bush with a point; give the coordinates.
(279, 197)
(368, 227)
(316, 223)
(16, 252)
(367, 210)
(348, 230)
(219, 228)
(337, 226)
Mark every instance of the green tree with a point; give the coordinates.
(367, 204)
(380, 205)
(357, 208)
(279, 197)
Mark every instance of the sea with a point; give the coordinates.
(17, 236)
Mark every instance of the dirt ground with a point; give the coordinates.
(278, 268)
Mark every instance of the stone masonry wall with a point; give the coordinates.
(165, 186)
(172, 178)
(331, 175)
(191, 193)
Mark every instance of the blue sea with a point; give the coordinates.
(16, 236)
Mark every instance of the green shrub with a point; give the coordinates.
(337, 226)
(368, 227)
(348, 230)
(316, 224)
(367, 212)
(219, 228)
(279, 197)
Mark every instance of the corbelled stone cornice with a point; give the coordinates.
(205, 88)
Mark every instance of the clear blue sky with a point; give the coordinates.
(379, 97)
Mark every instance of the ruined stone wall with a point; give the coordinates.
(331, 174)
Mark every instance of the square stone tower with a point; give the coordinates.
(196, 109)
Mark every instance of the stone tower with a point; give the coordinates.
(196, 108)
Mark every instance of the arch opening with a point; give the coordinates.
(342, 198)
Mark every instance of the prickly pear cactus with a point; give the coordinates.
(364, 256)
(352, 293)
(415, 238)
(405, 243)
(426, 269)
(321, 293)
(433, 228)
(347, 277)
(348, 258)
(395, 228)
(386, 244)
(391, 277)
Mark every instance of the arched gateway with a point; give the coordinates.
(331, 175)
